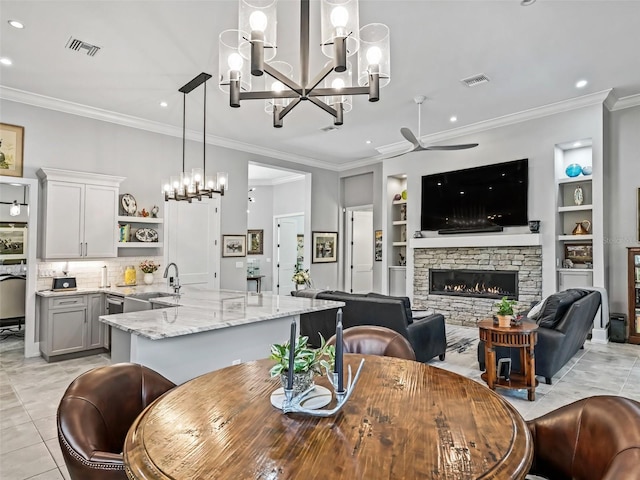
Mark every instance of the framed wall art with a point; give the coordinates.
(255, 242)
(377, 245)
(578, 252)
(13, 243)
(234, 245)
(324, 247)
(11, 145)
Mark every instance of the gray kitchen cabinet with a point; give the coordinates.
(79, 212)
(69, 326)
(97, 331)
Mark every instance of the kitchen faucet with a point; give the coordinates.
(176, 279)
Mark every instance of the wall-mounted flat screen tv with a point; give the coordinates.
(480, 199)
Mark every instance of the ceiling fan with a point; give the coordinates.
(417, 144)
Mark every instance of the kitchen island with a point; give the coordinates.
(202, 330)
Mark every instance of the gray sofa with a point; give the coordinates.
(564, 323)
(426, 335)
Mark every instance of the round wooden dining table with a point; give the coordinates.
(405, 420)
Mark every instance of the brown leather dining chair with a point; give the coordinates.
(374, 340)
(96, 412)
(597, 438)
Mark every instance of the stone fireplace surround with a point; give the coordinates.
(527, 260)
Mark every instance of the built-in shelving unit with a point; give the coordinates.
(396, 233)
(634, 295)
(399, 232)
(137, 223)
(575, 203)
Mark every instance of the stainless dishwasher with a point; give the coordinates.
(115, 304)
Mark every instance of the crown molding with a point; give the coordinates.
(626, 102)
(50, 103)
(554, 108)
(270, 182)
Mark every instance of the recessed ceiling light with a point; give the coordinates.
(368, 142)
(581, 83)
(453, 119)
(5, 61)
(16, 24)
(526, 3)
(577, 144)
(164, 104)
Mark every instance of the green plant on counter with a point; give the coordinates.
(306, 358)
(505, 306)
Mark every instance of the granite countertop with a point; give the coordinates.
(199, 310)
(114, 290)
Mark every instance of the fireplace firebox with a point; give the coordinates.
(474, 283)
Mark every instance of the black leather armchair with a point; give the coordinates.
(426, 335)
(561, 333)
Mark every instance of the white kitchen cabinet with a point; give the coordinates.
(397, 281)
(79, 212)
(574, 278)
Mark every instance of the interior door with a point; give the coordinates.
(192, 234)
(287, 253)
(360, 267)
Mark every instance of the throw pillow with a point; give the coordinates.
(536, 310)
(557, 305)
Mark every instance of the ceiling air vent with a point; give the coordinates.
(80, 46)
(475, 80)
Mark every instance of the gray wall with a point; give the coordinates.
(623, 183)
(533, 139)
(59, 140)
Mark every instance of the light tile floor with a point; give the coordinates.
(30, 390)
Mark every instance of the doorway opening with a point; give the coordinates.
(358, 267)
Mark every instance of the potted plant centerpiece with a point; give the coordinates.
(148, 267)
(308, 362)
(505, 312)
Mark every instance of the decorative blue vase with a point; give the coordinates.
(587, 170)
(573, 170)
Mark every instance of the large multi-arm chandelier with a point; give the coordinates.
(248, 51)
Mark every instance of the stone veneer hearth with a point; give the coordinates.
(527, 260)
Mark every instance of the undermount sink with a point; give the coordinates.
(141, 301)
(148, 295)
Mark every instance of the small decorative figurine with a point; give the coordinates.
(154, 211)
(578, 196)
(144, 213)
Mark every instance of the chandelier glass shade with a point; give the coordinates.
(249, 51)
(196, 183)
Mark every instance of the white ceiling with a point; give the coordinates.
(533, 55)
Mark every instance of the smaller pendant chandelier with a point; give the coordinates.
(196, 184)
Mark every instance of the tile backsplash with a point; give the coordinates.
(88, 273)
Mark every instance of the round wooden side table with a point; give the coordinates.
(523, 337)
